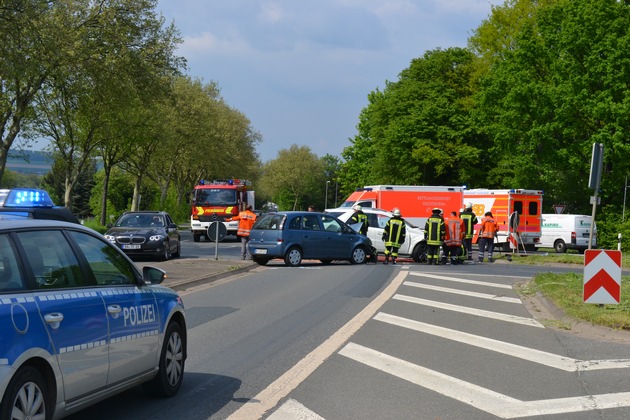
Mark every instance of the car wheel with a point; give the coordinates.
(171, 369)
(179, 249)
(260, 260)
(293, 258)
(166, 254)
(419, 253)
(358, 255)
(27, 396)
(560, 246)
(196, 237)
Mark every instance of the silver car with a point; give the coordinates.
(80, 322)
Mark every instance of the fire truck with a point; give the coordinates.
(414, 201)
(517, 213)
(215, 201)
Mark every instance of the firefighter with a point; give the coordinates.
(453, 238)
(434, 231)
(360, 217)
(394, 235)
(487, 233)
(470, 220)
(246, 220)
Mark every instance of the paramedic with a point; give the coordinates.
(246, 220)
(453, 238)
(487, 233)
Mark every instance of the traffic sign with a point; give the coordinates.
(602, 276)
(217, 231)
(558, 208)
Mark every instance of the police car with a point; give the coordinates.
(79, 321)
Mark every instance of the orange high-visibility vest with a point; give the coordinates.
(489, 227)
(246, 220)
(455, 231)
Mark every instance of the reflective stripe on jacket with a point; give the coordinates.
(395, 232)
(434, 230)
(246, 220)
(454, 231)
(489, 228)
(360, 217)
(470, 220)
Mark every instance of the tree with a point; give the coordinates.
(419, 130)
(296, 172)
(562, 87)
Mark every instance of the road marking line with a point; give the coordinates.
(293, 410)
(463, 292)
(460, 280)
(471, 311)
(537, 356)
(269, 397)
(476, 396)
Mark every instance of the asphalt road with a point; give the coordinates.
(382, 342)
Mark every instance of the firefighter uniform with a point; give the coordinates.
(434, 231)
(360, 217)
(470, 220)
(394, 236)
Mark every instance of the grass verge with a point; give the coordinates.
(566, 290)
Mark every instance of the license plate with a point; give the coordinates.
(131, 246)
(260, 251)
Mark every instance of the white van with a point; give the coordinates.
(567, 231)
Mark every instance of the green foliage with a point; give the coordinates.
(419, 130)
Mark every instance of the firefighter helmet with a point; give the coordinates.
(396, 212)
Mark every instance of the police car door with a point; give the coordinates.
(131, 310)
(71, 309)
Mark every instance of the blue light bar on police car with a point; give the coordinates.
(28, 197)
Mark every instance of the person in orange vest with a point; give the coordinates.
(487, 233)
(246, 220)
(454, 234)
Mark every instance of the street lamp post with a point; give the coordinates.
(623, 213)
(326, 200)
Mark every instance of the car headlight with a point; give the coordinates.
(156, 238)
(110, 238)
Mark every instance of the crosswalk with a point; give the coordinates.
(474, 395)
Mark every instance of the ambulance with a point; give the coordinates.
(516, 211)
(567, 231)
(414, 201)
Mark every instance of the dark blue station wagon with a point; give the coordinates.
(296, 235)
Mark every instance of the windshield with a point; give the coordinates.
(214, 197)
(140, 220)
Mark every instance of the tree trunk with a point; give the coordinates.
(135, 203)
(107, 171)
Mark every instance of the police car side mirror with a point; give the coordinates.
(153, 275)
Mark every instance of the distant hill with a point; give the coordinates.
(29, 162)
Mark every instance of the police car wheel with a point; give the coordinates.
(171, 369)
(27, 396)
(179, 250)
(358, 255)
(419, 253)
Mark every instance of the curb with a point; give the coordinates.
(182, 285)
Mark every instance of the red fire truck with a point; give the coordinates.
(216, 201)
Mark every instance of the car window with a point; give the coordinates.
(381, 221)
(373, 220)
(295, 223)
(269, 222)
(157, 221)
(51, 259)
(331, 225)
(310, 222)
(10, 277)
(108, 266)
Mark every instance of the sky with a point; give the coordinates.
(301, 70)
